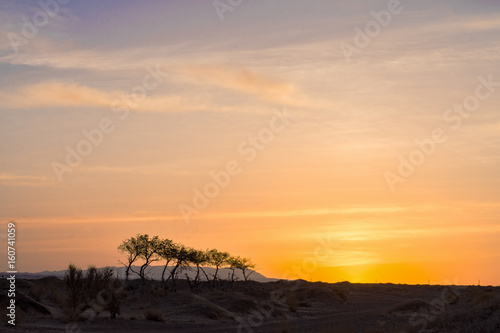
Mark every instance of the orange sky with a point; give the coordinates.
(380, 165)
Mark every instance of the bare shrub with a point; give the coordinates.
(111, 296)
(96, 289)
(76, 301)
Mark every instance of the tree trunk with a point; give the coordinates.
(197, 277)
(232, 275)
(172, 274)
(163, 273)
(127, 272)
(206, 275)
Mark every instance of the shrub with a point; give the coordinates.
(76, 301)
(96, 289)
(111, 296)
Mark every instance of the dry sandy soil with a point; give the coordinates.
(281, 306)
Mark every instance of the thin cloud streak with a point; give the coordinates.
(10, 179)
(53, 94)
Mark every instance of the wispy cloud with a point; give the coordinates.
(57, 94)
(243, 80)
(307, 212)
(251, 82)
(11, 179)
(60, 94)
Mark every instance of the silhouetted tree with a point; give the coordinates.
(217, 259)
(132, 247)
(182, 259)
(234, 263)
(168, 252)
(246, 265)
(148, 251)
(198, 258)
(153, 249)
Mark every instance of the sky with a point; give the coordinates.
(326, 140)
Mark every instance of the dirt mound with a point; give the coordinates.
(411, 306)
(233, 301)
(202, 307)
(45, 290)
(483, 317)
(318, 292)
(256, 290)
(27, 304)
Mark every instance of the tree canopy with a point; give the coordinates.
(142, 250)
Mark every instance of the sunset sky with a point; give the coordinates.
(317, 123)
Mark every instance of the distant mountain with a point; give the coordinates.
(154, 272)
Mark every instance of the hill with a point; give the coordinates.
(154, 273)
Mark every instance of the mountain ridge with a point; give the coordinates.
(154, 273)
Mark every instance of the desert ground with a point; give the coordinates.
(279, 306)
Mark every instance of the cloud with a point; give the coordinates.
(11, 179)
(68, 56)
(56, 94)
(141, 170)
(59, 94)
(243, 80)
(9, 176)
(306, 212)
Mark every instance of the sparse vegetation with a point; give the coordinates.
(96, 289)
(76, 301)
(148, 249)
(144, 248)
(112, 296)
